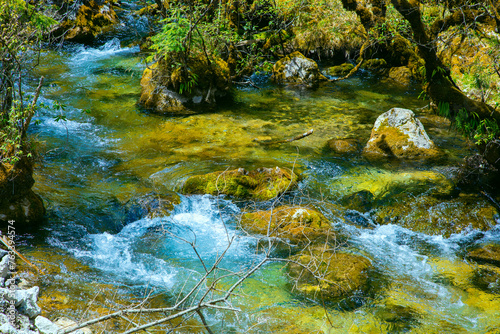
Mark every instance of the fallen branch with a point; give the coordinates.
(4, 240)
(361, 61)
(272, 142)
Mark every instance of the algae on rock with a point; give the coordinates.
(166, 88)
(260, 184)
(93, 17)
(398, 134)
(298, 224)
(329, 275)
(296, 68)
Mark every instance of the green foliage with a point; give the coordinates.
(472, 126)
(188, 86)
(444, 109)
(22, 26)
(173, 36)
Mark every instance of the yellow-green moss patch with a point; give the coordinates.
(294, 223)
(261, 184)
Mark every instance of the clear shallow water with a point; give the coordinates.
(100, 159)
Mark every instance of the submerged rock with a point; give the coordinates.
(489, 253)
(165, 89)
(296, 68)
(261, 184)
(329, 275)
(343, 146)
(297, 224)
(150, 205)
(429, 215)
(398, 134)
(401, 75)
(385, 185)
(487, 279)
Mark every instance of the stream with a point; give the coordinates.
(100, 254)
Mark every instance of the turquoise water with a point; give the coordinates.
(101, 253)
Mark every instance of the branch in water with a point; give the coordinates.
(271, 142)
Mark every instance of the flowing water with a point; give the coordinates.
(100, 255)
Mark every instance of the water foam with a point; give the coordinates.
(157, 251)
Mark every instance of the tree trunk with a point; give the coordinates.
(440, 86)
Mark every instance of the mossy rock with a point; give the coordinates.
(329, 275)
(343, 146)
(297, 224)
(91, 19)
(260, 184)
(151, 205)
(401, 75)
(15, 181)
(432, 216)
(297, 69)
(340, 70)
(164, 85)
(397, 133)
(373, 64)
(17, 201)
(26, 210)
(489, 253)
(385, 185)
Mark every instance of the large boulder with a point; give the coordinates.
(297, 69)
(297, 224)
(166, 89)
(398, 134)
(329, 275)
(92, 18)
(261, 184)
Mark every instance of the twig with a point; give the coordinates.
(202, 317)
(31, 110)
(4, 240)
(272, 142)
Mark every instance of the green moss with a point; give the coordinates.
(261, 184)
(298, 224)
(372, 64)
(340, 70)
(329, 275)
(429, 215)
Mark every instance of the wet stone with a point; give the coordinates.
(298, 224)
(343, 146)
(487, 279)
(489, 253)
(329, 275)
(261, 184)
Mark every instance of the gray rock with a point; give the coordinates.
(398, 133)
(45, 326)
(4, 267)
(7, 328)
(26, 302)
(296, 68)
(3, 252)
